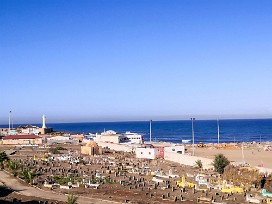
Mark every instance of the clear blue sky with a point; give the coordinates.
(97, 60)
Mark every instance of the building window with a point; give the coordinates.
(173, 150)
(141, 152)
(149, 153)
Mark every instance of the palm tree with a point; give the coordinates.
(72, 199)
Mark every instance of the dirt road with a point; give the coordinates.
(26, 190)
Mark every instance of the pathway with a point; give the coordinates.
(26, 190)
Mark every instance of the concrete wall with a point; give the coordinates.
(110, 138)
(264, 170)
(90, 150)
(3, 131)
(78, 137)
(22, 141)
(146, 153)
(175, 149)
(45, 130)
(117, 147)
(57, 138)
(187, 160)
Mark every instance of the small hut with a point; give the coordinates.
(91, 148)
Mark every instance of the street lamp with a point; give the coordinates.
(193, 135)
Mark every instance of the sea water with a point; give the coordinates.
(242, 130)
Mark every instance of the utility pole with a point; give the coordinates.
(243, 155)
(218, 132)
(150, 131)
(193, 135)
(9, 121)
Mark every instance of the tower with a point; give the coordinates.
(43, 124)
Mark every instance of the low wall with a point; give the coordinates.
(117, 147)
(22, 141)
(187, 160)
(264, 170)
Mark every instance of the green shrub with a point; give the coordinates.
(13, 166)
(220, 162)
(199, 163)
(3, 157)
(53, 150)
(60, 148)
(72, 199)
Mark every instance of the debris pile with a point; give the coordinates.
(242, 175)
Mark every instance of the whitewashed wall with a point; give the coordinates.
(146, 153)
(187, 159)
(116, 147)
(175, 149)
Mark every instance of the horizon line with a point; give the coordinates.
(153, 120)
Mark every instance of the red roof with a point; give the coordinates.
(17, 137)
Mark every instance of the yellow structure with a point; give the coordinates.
(183, 183)
(231, 189)
(91, 148)
(44, 158)
(269, 201)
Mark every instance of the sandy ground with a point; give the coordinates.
(254, 154)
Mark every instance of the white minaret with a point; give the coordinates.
(43, 121)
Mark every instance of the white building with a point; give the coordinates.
(147, 152)
(59, 139)
(179, 149)
(30, 130)
(22, 140)
(133, 138)
(109, 136)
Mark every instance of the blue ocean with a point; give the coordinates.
(246, 130)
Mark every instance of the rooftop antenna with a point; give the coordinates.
(150, 131)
